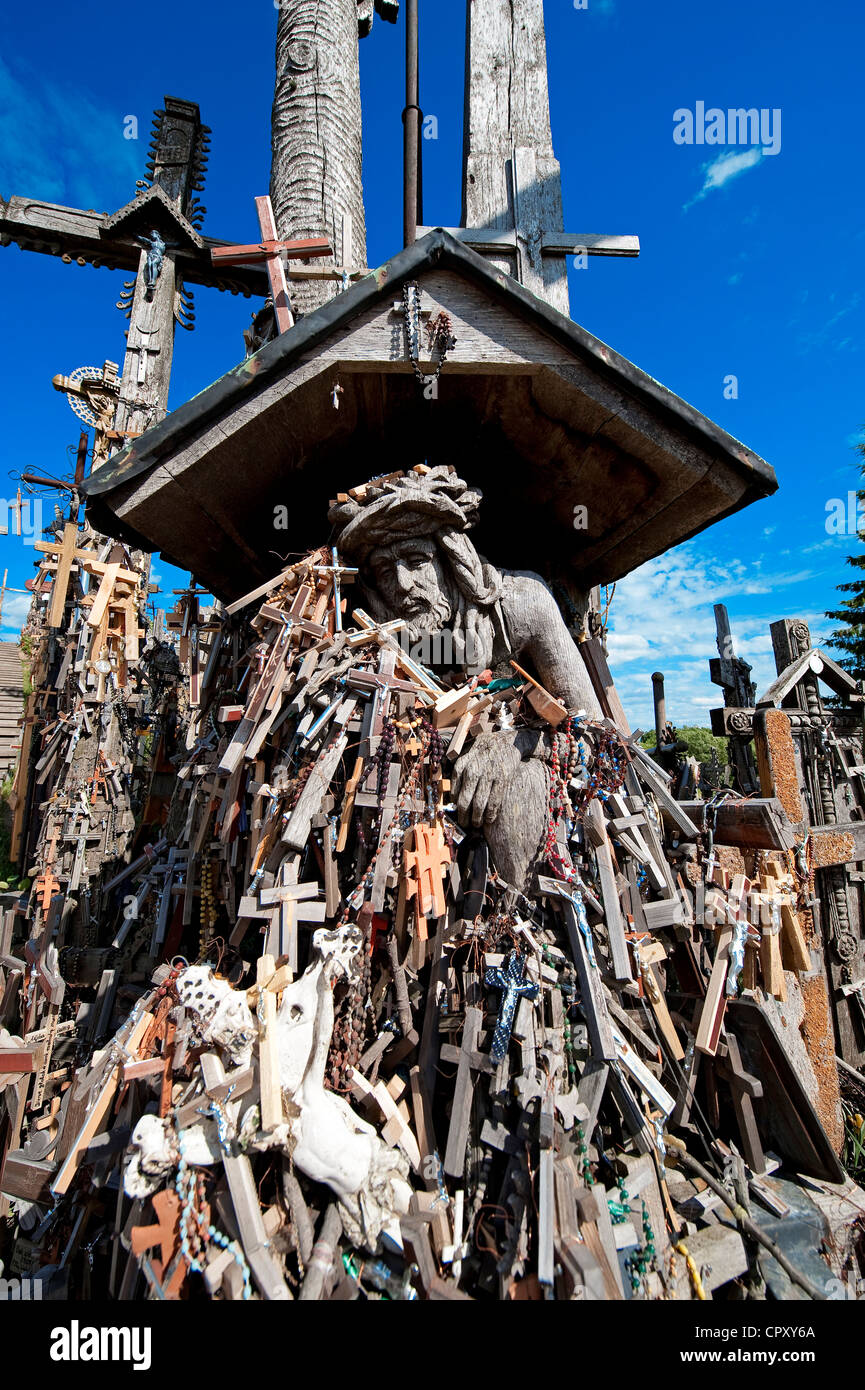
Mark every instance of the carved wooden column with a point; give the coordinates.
(176, 168)
(839, 912)
(780, 776)
(315, 179)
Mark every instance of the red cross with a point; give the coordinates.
(268, 250)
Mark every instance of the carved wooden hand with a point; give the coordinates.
(482, 776)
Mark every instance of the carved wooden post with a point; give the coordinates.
(734, 675)
(838, 906)
(176, 166)
(315, 180)
(779, 776)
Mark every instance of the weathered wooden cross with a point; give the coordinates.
(334, 572)
(270, 251)
(512, 195)
(65, 553)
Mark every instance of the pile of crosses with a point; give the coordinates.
(101, 706)
(360, 1063)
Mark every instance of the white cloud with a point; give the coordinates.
(727, 166)
(15, 610)
(627, 646)
(662, 618)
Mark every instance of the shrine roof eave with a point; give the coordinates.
(437, 251)
(150, 204)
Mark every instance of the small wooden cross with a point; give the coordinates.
(166, 1234)
(745, 1089)
(109, 575)
(46, 1049)
(97, 783)
(334, 571)
(292, 899)
(425, 864)
(268, 250)
(468, 1060)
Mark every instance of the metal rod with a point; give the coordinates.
(80, 467)
(411, 119)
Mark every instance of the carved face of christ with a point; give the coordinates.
(408, 576)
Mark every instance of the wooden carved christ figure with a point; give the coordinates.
(409, 539)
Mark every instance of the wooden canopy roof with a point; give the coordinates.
(540, 414)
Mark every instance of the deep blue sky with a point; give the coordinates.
(750, 271)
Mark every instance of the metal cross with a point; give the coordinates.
(333, 571)
(511, 979)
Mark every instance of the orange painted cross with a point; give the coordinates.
(166, 1234)
(268, 250)
(45, 887)
(97, 782)
(425, 865)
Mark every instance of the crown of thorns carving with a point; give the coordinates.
(401, 505)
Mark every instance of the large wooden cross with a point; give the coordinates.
(65, 553)
(175, 172)
(512, 193)
(270, 251)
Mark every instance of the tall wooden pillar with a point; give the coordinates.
(780, 776)
(315, 180)
(838, 902)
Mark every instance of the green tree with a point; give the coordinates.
(698, 742)
(849, 637)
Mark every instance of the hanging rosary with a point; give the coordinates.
(439, 333)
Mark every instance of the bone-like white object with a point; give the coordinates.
(222, 1013)
(325, 1138)
(329, 1142)
(156, 1154)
